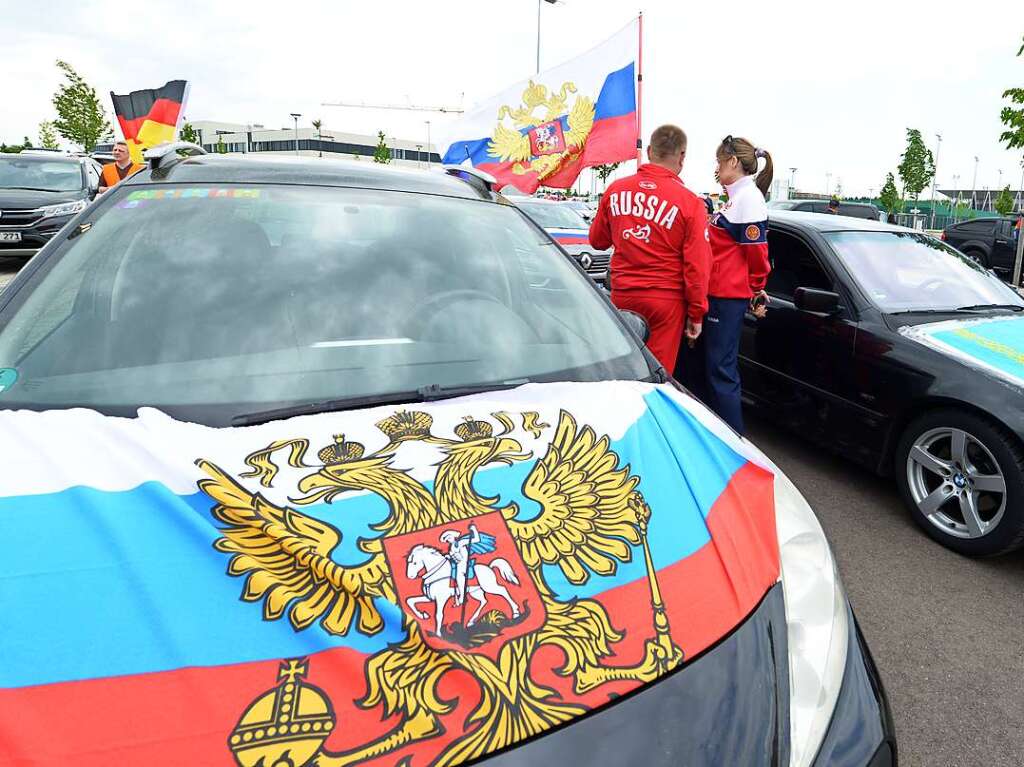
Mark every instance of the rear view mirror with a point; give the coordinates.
(817, 301)
(636, 323)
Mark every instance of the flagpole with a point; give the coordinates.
(640, 92)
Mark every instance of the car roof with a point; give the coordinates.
(825, 223)
(41, 157)
(244, 169)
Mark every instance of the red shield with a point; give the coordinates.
(468, 590)
(547, 138)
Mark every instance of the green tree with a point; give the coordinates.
(188, 133)
(80, 116)
(381, 154)
(889, 197)
(963, 210)
(48, 135)
(604, 172)
(1013, 117)
(319, 136)
(221, 147)
(917, 165)
(1004, 202)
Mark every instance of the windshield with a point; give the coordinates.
(906, 271)
(226, 300)
(554, 216)
(44, 175)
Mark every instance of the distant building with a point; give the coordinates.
(235, 137)
(984, 199)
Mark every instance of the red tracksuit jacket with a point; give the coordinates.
(739, 243)
(659, 231)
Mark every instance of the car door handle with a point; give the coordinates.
(1002, 242)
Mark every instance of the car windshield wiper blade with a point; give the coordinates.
(36, 189)
(430, 393)
(973, 307)
(936, 311)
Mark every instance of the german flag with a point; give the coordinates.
(150, 117)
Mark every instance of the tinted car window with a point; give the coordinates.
(228, 299)
(976, 227)
(858, 211)
(904, 271)
(793, 266)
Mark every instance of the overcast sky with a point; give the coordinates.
(826, 87)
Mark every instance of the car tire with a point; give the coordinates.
(949, 487)
(977, 256)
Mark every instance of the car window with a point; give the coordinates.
(782, 205)
(858, 211)
(793, 266)
(554, 216)
(976, 227)
(230, 299)
(906, 271)
(44, 175)
(1006, 229)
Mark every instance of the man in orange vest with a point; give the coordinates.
(121, 168)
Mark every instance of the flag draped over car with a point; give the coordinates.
(424, 584)
(150, 117)
(546, 130)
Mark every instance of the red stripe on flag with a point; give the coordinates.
(187, 716)
(164, 111)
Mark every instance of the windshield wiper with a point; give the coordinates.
(973, 307)
(430, 393)
(37, 189)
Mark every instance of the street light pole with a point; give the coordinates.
(540, 3)
(430, 159)
(935, 174)
(295, 117)
(792, 180)
(828, 183)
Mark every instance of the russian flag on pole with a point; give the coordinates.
(547, 129)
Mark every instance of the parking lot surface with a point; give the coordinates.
(947, 632)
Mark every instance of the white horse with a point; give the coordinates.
(437, 587)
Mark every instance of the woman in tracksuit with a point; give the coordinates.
(739, 270)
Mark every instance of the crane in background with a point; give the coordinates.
(402, 108)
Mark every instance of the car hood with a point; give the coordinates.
(296, 588)
(26, 199)
(993, 345)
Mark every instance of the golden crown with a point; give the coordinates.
(406, 425)
(341, 451)
(470, 429)
(291, 720)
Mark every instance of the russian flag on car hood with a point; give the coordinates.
(436, 582)
(546, 130)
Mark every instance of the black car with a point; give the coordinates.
(39, 193)
(989, 241)
(251, 397)
(892, 348)
(853, 209)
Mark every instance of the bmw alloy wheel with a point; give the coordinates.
(956, 482)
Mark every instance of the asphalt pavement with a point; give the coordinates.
(947, 632)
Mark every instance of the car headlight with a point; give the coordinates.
(816, 621)
(64, 209)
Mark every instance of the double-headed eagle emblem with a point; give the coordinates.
(592, 518)
(538, 142)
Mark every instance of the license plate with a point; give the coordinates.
(10, 236)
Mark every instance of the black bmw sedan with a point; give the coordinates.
(894, 349)
(325, 463)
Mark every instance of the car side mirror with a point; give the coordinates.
(817, 301)
(636, 323)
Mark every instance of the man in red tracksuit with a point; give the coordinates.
(659, 231)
